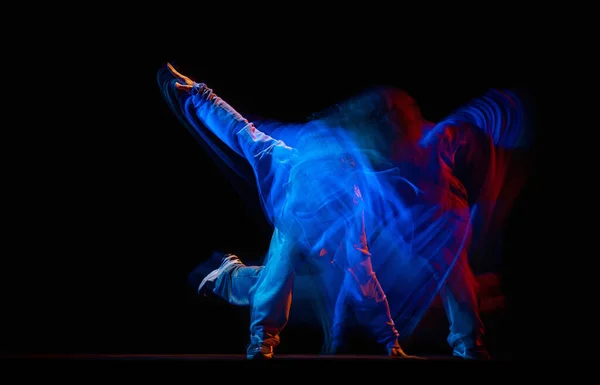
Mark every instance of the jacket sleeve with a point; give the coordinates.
(234, 130)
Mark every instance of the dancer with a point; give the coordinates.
(436, 238)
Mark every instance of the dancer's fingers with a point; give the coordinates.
(175, 73)
(183, 87)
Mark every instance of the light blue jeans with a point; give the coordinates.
(240, 285)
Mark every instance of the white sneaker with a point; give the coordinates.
(227, 264)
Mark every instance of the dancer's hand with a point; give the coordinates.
(397, 353)
(187, 82)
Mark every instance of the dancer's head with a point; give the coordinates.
(383, 109)
(375, 120)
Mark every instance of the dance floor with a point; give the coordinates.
(211, 357)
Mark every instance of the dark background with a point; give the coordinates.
(115, 202)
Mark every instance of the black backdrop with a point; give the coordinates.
(115, 202)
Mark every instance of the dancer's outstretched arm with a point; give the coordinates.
(229, 125)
